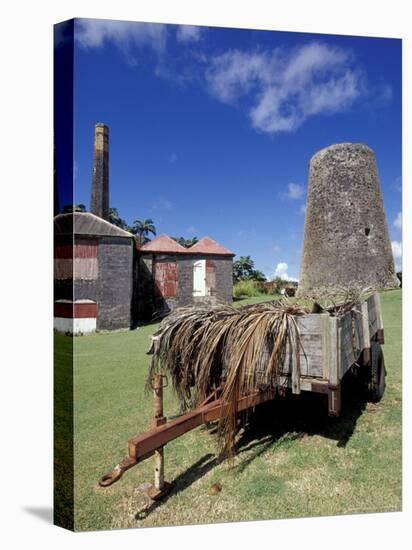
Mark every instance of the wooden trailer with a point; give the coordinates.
(331, 346)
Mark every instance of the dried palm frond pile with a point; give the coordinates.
(338, 302)
(240, 350)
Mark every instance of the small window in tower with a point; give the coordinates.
(367, 231)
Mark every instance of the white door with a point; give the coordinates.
(199, 278)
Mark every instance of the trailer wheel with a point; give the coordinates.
(377, 373)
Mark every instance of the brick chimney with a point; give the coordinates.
(99, 204)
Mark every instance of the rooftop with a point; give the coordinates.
(209, 246)
(86, 223)
(163, 243)
(166, 244)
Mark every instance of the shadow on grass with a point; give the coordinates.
(280, 422)
(284, 420)
(182, 482)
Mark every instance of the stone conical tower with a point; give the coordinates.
(346, 241)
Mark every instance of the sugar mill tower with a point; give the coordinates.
(346, 239)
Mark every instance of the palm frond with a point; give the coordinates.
(238, 349)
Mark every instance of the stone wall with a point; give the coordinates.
(346, 239)
(115, 283)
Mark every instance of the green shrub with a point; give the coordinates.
(244, 289)
(275, 291)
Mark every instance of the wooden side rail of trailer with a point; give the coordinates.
(331, 347)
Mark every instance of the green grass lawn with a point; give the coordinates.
(256, 299)
(293, 460)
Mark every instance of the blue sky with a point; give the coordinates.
(212, 129)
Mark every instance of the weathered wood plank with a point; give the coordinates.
(378, 308)
(366, 339)
(346, 352)
(371, 301)
(309, 324)
(334, 347)
(310, 356)
(357, 332)
(311, 339)
(325, 343)
(305, 382)
(373, 327)
(374, 313)
(310, 362)
(331, 345)
(371, 313)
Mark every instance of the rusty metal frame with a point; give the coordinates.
(334, 399)
(334, 393)
(143, 446)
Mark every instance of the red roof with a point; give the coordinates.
(163, 243)
(209, 246)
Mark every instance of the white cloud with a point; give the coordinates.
(248, 233)
(191, 230)
(95, 33)
(302, 209)
(162, 203)
(165, 204)
(282, 271)
(397, 249)
(397, 254)
(286, 87)
(188, 33)
(398, 184)
(398, 221)
(295, 191)
(383, 95)
(235, 72)
(128, 36)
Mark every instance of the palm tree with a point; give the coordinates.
(116, 220)
(179, 240)
(243, 268)
(142, 228)
(187, 243)
(257, 275)
(191, 242)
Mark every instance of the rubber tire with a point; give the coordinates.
(377, 373)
